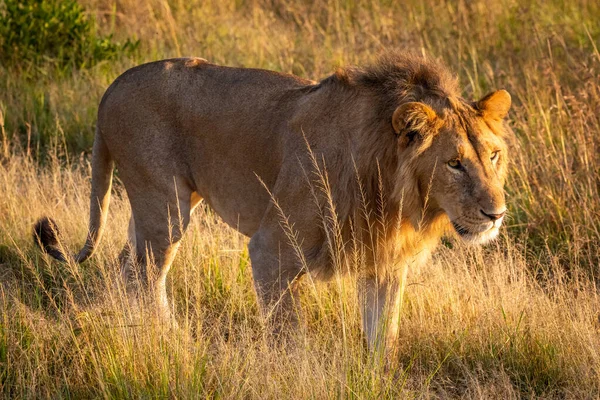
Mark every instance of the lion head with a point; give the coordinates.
(459, 159)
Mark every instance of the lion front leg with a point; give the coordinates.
(276, 273)
(381, 300)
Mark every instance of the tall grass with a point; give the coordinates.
(516, 318)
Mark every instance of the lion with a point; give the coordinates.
(387, 158)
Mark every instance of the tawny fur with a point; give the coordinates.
(359, 158)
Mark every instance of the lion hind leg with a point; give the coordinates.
(127, 257)
(159, 224)
(129, 279)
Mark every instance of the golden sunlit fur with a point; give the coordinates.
(379, 162)
(394, 192)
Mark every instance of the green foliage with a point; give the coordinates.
(34, 32)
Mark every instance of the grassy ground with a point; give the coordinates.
(518, 318)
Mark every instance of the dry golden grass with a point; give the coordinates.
(518, 318)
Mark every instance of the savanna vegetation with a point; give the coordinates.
(516, 318)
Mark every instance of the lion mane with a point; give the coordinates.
(377, 190)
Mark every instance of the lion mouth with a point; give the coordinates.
(461, 230)
(479, 237)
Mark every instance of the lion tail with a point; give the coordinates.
(45, 231)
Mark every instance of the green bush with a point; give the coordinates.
(34, 32)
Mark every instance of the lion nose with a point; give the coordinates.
(494, 217)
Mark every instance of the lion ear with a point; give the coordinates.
(495, 105)
(413, 118)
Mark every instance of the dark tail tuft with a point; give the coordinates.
(45, 235)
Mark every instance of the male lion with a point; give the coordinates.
(382, 158)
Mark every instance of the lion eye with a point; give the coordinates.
(494, 156)
(455, 164)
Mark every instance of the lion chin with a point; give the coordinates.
(483, 235)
